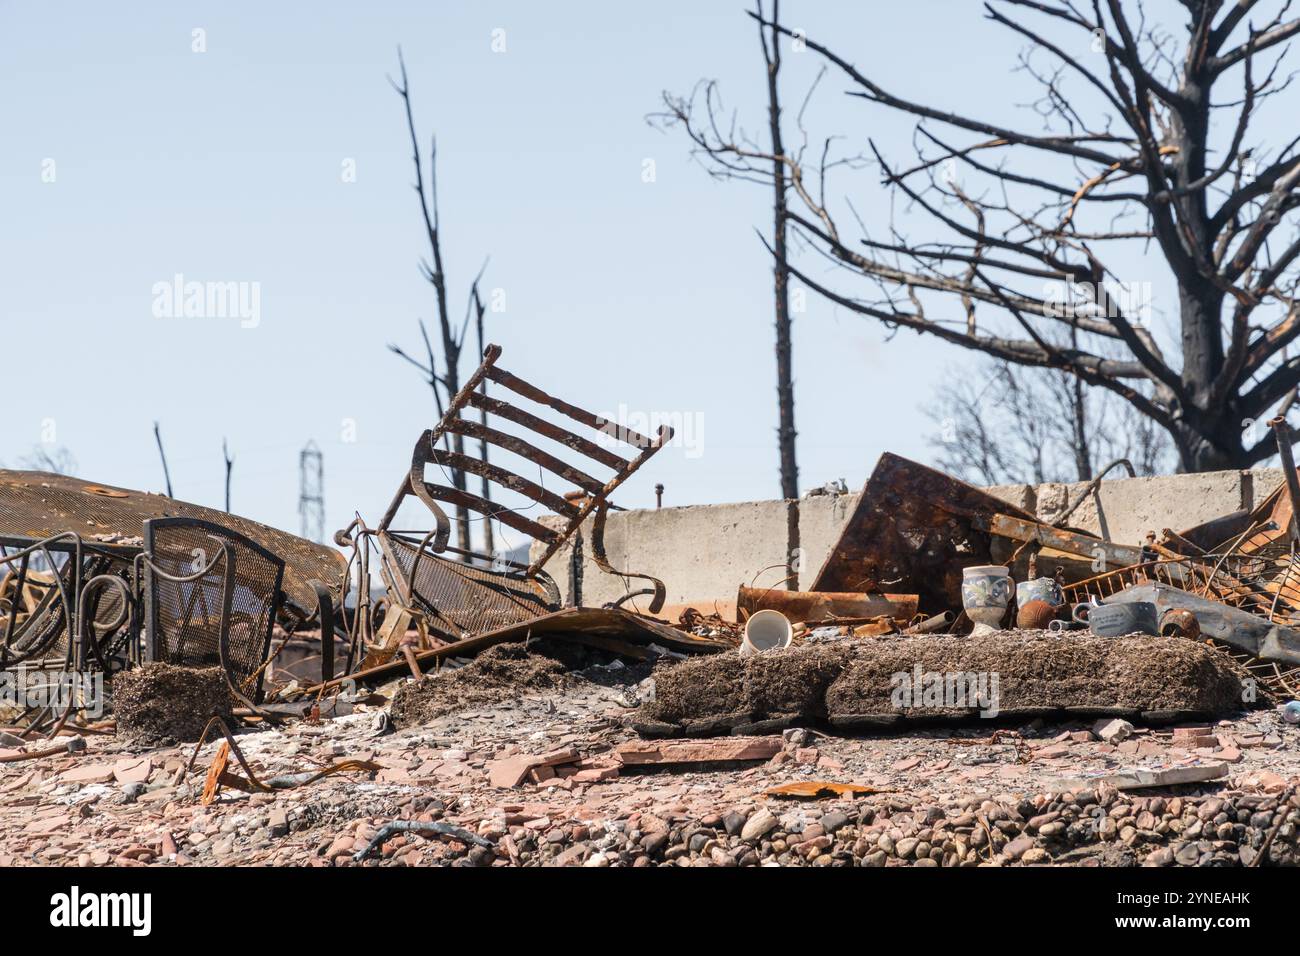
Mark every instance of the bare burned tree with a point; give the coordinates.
(485, 488)
(443, 379)
(1146, 151)
(1006, 424)
(781, 289)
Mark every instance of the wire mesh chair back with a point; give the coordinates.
(234, 604)
(464, 599)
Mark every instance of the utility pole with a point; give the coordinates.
(311, 492)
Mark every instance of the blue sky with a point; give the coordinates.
(227, 165)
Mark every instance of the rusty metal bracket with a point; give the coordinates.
(602, 562)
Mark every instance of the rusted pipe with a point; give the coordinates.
(828, 606)
(32, 755)
(407, 645)
(1180, 622)
(932, 624)
(73, 745)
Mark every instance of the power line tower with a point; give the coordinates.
(311, 492)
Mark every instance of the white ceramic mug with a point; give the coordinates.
(986, 590)
(766, 630)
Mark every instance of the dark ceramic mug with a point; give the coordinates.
(1114, 620)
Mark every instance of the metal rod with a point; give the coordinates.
(1283, 432)
(163, 455)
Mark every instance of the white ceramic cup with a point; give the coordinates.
(766, 630)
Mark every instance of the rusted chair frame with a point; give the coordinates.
(59, 604)
(359, 632)
(64, 613)
(595, 503)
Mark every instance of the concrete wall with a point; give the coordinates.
(704, 552)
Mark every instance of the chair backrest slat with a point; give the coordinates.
(533, 393)
(512, 443)
(504, 478)
(480, 505)
(512, 413)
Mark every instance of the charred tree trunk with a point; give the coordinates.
(786, 433)
(436, 276)
(784, 363)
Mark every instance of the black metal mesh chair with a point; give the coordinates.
(211, 597)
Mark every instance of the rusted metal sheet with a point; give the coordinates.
(820, 790)
(1249, 632)
(1292, 483)
(817, 606)
(913, 530)
(1070, 542)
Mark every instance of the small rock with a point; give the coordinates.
(834, 821)
(760, 824)
(1018, 847)
(278, 823)
(1112, 730)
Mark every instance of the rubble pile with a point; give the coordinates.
(165, 703)
(478, 714)
(1087, 828)
(932, 797)
(501, 672)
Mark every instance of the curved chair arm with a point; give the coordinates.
(602, 562)
(88, 642)
(436, 539)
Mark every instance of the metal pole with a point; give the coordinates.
(1283, 432)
